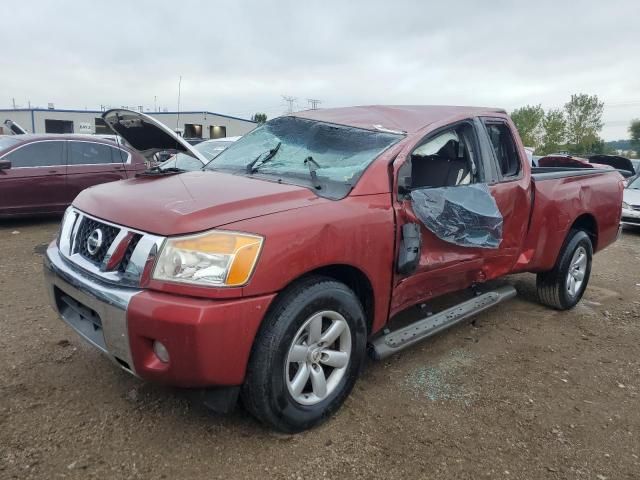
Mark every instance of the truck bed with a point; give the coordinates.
(562, 196)
(547, 173)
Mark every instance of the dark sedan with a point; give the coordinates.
(42, 174)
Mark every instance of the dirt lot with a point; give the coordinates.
(525, 393)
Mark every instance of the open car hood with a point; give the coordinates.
(14, 127)
(146, 134)
(622, 164)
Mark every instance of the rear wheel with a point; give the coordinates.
(307, 356)
(563, 287)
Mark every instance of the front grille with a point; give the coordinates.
(86, 229)
(108, 261)
(126, 258)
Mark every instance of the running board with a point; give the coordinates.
(393, 342)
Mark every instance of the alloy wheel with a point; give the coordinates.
(318, 357)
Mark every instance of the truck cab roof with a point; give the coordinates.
(403, 118)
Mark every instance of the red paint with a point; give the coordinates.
(558, 203)
(191, 202)
(119, 252)
(51, 188)
(209, 342)
(209, 331)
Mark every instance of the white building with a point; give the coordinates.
(192, 124)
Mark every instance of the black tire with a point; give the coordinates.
(265, 393)
(552, 285)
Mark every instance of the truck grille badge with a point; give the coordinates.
(94, 242)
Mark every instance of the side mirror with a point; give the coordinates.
(5, 164)
(410, 247)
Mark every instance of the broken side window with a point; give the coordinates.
(445, 195)
(504, 148)
(445, 160)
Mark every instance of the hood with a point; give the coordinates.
(14, 127)
(631, 196)
(146, 134)
(190, 202)
(622, 164)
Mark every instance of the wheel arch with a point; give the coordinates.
(588, 224)
(352, 277)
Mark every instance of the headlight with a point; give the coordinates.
(626, 206)
(62, 224)
(215, 258)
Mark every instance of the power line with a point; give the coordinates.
(290, 100)
(313, 102)
(178, 116)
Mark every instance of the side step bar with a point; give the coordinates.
(393, 342)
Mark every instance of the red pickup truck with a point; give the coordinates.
(270, 273)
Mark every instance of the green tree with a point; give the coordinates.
(528, 120)
(584, 122)
(259, 117)
(554, 126)
(634, 132)
(598, 146)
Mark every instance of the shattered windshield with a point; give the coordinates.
(326, 156)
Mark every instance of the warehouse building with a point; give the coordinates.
(192, 124)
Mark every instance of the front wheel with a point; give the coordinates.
(563, 287)
(307, 356)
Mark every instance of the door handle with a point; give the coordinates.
(53, 171)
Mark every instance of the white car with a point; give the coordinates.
(631, 203)
(208, 150)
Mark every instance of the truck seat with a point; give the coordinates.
(444, 169)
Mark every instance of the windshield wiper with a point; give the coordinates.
(160, 171)
(272, 153)
(313, 166)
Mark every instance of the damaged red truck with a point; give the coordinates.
(270, 274)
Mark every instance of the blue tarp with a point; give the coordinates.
(466, 215)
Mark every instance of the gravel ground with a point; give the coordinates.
(525, 392)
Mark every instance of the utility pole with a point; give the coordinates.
(14, 103)
(290, 101)
(178, 117)
(313, 103)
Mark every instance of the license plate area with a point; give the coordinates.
(81, 318)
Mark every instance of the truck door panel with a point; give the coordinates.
(443, 267)
(511, 191)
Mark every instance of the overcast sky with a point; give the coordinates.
(239, 57)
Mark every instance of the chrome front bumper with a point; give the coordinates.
(630, 217)
(95, 310)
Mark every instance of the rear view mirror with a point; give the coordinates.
(5, 164)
